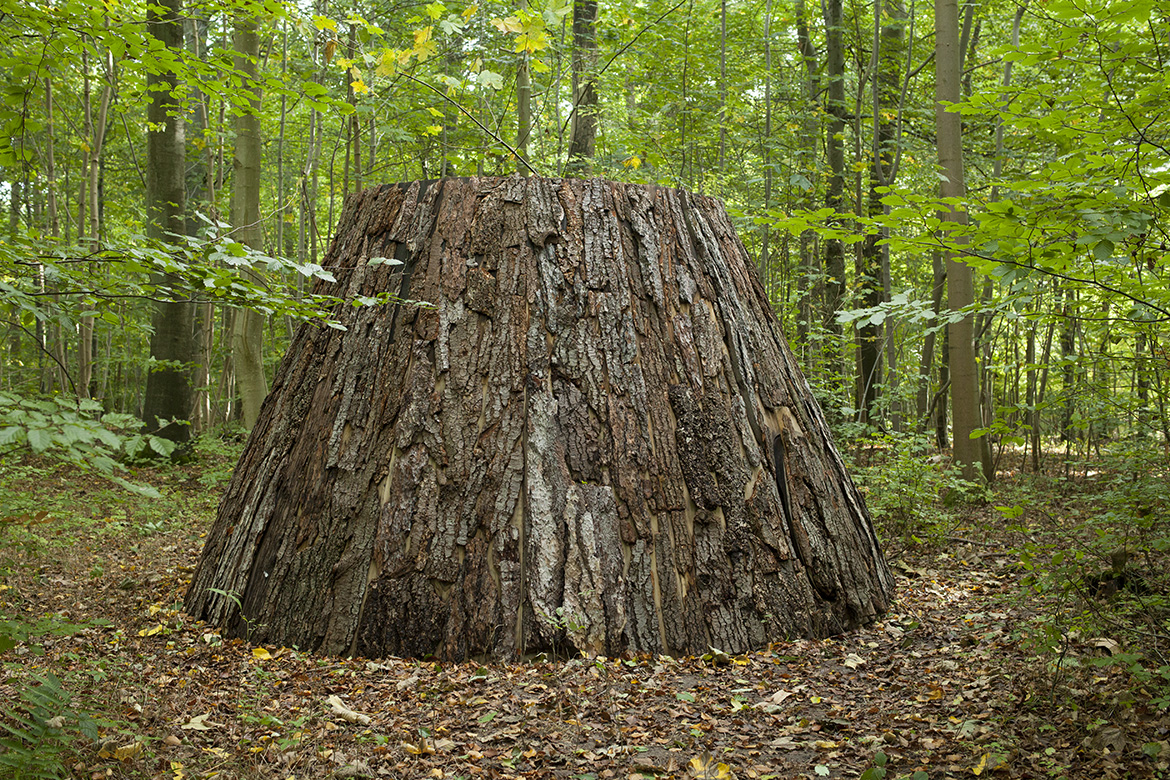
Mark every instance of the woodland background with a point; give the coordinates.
(953, 208)
(959, 212)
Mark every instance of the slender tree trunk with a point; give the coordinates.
(201, 198)
(722, 86)
(1041, 396)
(960, 283)
(96, 132)
(835, 193)
(523, 105)
(248, 334)
(1068, 355)
(766, 147)
(50, 337)
(582, 138)
(806, 168)
(167, 403)
(874, 271)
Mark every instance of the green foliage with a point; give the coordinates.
(79, 433)
(42, 726)
(1097, 571)
(907, 488)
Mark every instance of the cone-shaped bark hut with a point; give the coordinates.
(594, 439)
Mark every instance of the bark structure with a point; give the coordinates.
(594, 439)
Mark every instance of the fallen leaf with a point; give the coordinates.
(261, 653)
(200, 723)
(127, 752)
(853, 660)
(338, 706)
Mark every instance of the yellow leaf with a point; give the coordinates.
(127, 752)
(359, 87)
(151, 631)
(434, 111)
(386, 63)
(469, 11)
(261, 653)
(632, 162)
(978, 770)
(330, 50)
(422, 35)
(433, 130)
(825, 744)
(509, 24)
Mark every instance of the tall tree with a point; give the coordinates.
(167, 404)
(583, 136)
(873, 269)
(835, 193)
(248, 332)
(95, 132)
(806, 164)
(963, 369)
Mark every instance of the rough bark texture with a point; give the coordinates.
(596, 439)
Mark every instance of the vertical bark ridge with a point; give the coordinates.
(570, 447)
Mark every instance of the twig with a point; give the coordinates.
(467, 114)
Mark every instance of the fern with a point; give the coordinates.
(40, 728)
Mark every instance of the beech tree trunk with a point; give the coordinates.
(593, 438)
(168, 394)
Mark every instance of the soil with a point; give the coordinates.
(948, 683)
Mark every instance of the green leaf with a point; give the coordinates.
(1103, 250)
(39, 439)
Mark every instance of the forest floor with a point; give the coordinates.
(947, 684)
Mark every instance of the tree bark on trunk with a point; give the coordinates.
(835, 192)
(168, 399)
(248, 334)
(594, 439)
(964, 374)
(582, 137)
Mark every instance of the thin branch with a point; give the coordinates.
(41, 347)
(467, 114)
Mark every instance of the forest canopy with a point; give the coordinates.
(172, 172)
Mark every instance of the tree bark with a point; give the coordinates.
(582, 137)
(248, 334)
(168, 399)
(807, 166)
(873, 273)
(835, 193)
(594, 439)
(964, 374)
